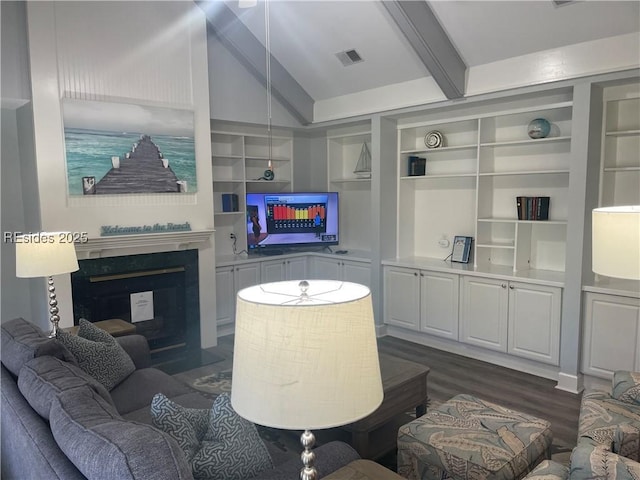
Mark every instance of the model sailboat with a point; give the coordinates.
(363, 167)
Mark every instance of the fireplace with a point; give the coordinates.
(157, 292)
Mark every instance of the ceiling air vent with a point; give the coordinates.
(349, 57)
(560, 3)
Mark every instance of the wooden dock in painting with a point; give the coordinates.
(142, 170)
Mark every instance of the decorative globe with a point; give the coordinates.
(539, 128)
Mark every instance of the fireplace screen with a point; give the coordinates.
(158, 293)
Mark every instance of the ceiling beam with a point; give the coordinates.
(420, 26)
(239, 40)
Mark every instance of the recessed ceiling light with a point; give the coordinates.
(349, 57)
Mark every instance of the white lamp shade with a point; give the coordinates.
(305, 365)
(45, 254)
(616, 242)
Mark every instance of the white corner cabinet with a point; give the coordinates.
(239, 158)
(611, 329)
(620, 164)
(229, 280)
(289, 268)
(347, 270)
(344, 147)
(471, 183)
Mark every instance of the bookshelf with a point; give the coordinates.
(239, 157)
(472, 182)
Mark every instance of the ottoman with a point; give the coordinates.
(468, 438)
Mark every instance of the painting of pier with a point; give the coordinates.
(118, 148)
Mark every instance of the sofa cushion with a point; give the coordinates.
(138, 389)
(595, 462)
(43, 378)
(22, 341)
(98, 354)
(626, 386)
(102, 445)
(219, 443)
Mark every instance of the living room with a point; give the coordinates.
(54, 53)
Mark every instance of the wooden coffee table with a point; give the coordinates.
(405, 388)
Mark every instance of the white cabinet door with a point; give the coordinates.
(296, 268)
(247, 275)
(225, 295)
(439, 304)
(534, 322)
(357, 272)
(326, 268)
(483, 313)
(273, 271)
(610, 337)
(402, 297)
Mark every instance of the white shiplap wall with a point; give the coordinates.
(149, 53)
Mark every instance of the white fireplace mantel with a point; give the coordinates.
(116, 245)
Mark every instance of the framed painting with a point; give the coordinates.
(120, 148)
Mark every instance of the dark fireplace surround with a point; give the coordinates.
(102, 289)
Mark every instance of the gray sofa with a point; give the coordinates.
(59, 423)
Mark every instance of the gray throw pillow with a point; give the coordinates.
(98, 354)
(218, 443)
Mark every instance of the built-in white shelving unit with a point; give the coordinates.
(472, 181)
(344, 147)
(239, 158)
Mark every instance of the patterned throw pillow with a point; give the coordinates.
(98, 354)
(218, 443)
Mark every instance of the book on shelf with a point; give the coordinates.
(417, 166)
(532, 208)
(230, 202)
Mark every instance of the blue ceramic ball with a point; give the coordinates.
(539, 128)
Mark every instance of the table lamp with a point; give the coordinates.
(43, 255)
(305, 357)
(616, 241)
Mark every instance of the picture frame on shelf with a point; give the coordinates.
(461, 249)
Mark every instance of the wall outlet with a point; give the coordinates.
(444, 243)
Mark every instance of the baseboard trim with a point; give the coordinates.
(570, 383)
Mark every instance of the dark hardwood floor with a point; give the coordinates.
(453, 374)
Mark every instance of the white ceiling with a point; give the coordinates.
(305, 35)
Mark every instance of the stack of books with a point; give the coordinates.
(533, 208)
(417, 166)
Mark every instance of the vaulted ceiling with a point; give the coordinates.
(400, 40)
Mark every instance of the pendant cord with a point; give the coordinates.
(268, 48)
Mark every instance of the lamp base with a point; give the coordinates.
(308, 457)
(53, 309)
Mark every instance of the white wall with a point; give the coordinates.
(15, 56)
(236, 95)
(14, 296)
(150, 53)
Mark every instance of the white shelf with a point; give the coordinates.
(351, 180)
(514, 220)
(439, 150)
(622, 133)
(507, 246)
(414, 178)
(526, 142)
(526, 172)
(621, 169)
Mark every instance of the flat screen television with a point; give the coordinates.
(291, 219)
